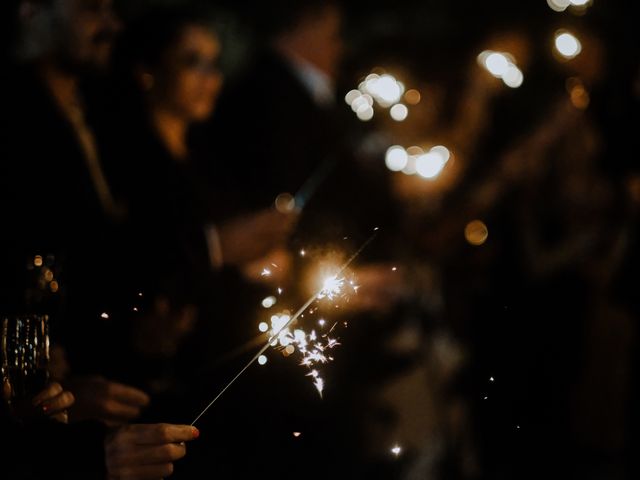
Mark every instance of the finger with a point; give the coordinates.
(58, 403)
(160, 433)
(150, 455)
(50, 391)
(62, 417)
(142, 472)
(126, 394)
(114, 410)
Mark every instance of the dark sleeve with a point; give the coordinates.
(49, 449)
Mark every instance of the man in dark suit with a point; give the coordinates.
(58, 211)
(279, 129)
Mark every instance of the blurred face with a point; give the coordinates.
(83, 33)
(190, 81)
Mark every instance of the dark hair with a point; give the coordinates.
(148, 37)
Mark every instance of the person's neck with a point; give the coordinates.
(62, 84)
(172, 130)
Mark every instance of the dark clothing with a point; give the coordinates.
(46, 449)
(54, 251)
(49, 207)
(267, 137)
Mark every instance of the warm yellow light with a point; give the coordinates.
(476, 232)
(412, 97)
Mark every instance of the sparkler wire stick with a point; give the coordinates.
(311, 185)
(291, 321)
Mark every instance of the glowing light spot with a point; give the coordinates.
(318, 381)
(399, 112)
(513, 77)
(412, 97)
(497, 64)
(476, 232)
(331, 287)
(265, 272)
(290, 349)
(396, 450)
(396, 158)
(285, 203)
(410, 167)
(135, 309)
(365, 113)
(139, 294)
(269, 302)
(54, 287)
(492, 379)
(558, 5)
(351, 96)
(296, 434)
(430, 164)
(578, 93)
(567, 44)
(104, 315)
(322, 322)
(279, 291)
(302, 253)
(262, 359)
(394, 269)
(37, 261)
(48, 276)
(263, 327)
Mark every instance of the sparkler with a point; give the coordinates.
(310, 354)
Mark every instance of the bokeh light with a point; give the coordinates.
(476, 232)
(396, 158)
(399, 112)
(567, 45)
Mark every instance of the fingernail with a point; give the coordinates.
(196, 432)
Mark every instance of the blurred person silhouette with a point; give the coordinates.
(51, 151)
(279, 129)
(535, 288)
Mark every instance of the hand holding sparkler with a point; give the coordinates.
(251, 237)
(331, 288)
(146, 451)
(381, 286)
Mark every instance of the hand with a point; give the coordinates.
(277, 262)
(138, 452)
(380, 288)
(160, 331)
(100, 399)
(251, 237)
(54, 402)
